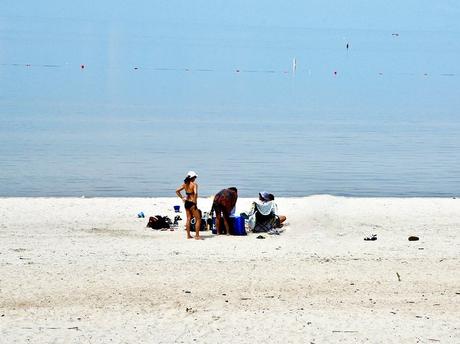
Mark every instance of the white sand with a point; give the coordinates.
(88, 271)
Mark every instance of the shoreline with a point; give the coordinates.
(243, 197)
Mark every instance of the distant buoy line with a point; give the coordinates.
(294, 69)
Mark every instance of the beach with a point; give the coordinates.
(87, 270)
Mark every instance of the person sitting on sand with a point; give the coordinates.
(224, 204)
(191, 203)
(265, 208)
(271, 198)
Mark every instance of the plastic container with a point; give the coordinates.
(177, 208)
(238, 225)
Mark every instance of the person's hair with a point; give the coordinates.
(233, 189)
(188, 179)
(271, 197)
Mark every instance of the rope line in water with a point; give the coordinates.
(209, 70)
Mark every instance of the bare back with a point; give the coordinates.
(191, 190)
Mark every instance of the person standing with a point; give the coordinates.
(224, 204)
(191, 203)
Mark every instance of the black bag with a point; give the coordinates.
(203, 226)
(159, 222)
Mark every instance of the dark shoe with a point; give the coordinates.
(371, 238)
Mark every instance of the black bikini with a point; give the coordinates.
(189, 204)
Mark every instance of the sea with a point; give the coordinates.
(96, 107)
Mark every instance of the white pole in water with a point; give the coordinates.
(294, 65)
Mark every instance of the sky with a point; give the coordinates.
(351, 14)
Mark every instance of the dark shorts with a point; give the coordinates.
(189, 205)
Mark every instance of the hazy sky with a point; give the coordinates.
(350, 14)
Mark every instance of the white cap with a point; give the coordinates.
(191, 174)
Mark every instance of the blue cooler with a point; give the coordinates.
(238, 225)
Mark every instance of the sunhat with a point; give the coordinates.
(191, 174)
(264, 195)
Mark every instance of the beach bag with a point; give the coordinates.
(158, 222)
(203, 226)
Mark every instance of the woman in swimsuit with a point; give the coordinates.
(190, 203)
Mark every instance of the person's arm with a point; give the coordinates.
(178, 192)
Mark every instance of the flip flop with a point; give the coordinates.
(260, 237)
(371, 238)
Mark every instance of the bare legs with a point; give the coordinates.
(193, 213)
(218, 217)
(187, 224)
(282, 218)
(197, 216)
(226, 222)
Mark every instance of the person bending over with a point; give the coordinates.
(223, 204)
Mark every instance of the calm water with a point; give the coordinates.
(178, 87)
(148, 157)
